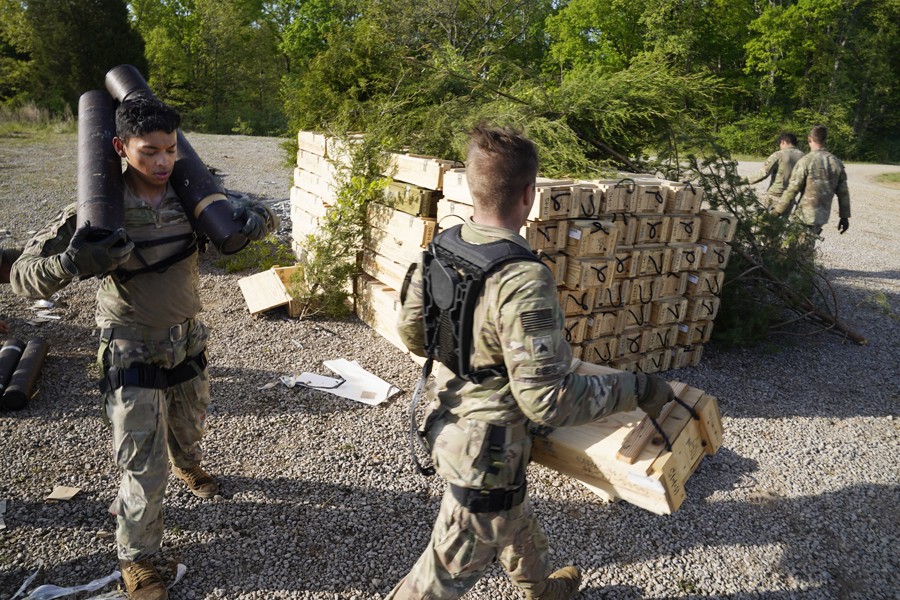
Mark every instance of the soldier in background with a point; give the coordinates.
(480, 431)
(152, 346)
(7, 258)
(779, 166)
(817, 177)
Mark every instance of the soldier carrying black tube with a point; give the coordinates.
(153, 348)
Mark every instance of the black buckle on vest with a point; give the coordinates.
(489, 501)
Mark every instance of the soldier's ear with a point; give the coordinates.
(119, 146)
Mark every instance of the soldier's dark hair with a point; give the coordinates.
(819, 134)
(500, 164)
(144, 114)
(790, 138)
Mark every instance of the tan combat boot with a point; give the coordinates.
(142, 581)
(559, 586)
(199, 481)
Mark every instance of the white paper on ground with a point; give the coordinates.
(62, 492)
(359, 385)
(48, 592)
(180, 570)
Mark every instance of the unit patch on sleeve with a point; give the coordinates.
(542, 347)
(537, 320)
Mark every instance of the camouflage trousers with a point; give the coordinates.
(463, 545)
(151, 427)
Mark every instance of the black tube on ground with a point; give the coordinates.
(23, 385)
(201, 197)
(9, 357)
(101, 188)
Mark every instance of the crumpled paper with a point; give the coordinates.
(355, 383)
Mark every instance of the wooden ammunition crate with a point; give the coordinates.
(694, 332)
(633, 342)
(557, 263)
(413, 230)
(701, 308)
(656, 361)
(615, 196)
(577, 351)
(451, 213)
(708, 281)
(399, 249)
(583, 273)
(603, 323)
(655, 260)
(549, 236)
(628, 262)
(617, 295)
(602, 350)
(633, 315)
(574, 329)
(317, 163)
(715, 254)
(650, 198)
(599, 454)
(320, 185)
(685, 229)
(644, 290)
(411, 199)
(670, 310)
(672, 284)
(425, 171)
(627, 225)
(717, 225)
(686, 257)
(555, 202)
(574, 302)
(662, 336)
(628, 363)
(652, 229)
(686, 356)
(591, 238)
(384, 269)
(682, 197)
(312, 142)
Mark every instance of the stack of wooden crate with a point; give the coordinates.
(638, 263)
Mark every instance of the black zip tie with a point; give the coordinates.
(641, 322)
(458, 162)
(690, 409)
(544, 255)
(544, 233)
(641, 295)
(600, 272)
(674, 312)
(613, 304)
(661, 432)
(691, 254)
(716, 293)
(620, 263)
(720, 254)
(693, 191)
(633, 184)
(556, 204)
(598, 226)
(659, 198)
(653, 227)
(569, 331)
(593, 208)
(623, 215)
(582, 304)
(688, 227)
(657, 268)
(708, 308)
(632, 342)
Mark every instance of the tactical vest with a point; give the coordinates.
(453, 276)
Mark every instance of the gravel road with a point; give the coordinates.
(318, 497)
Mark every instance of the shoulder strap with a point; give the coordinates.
(125, 276)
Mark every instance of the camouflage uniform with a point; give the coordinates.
(818, 176)
(518, 323)
(139, 325)
(779, 167)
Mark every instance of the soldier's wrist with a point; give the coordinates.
(67, 266)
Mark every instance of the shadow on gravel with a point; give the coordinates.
(848, 274)
(283, 534)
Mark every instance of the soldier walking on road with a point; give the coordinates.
(779, 166)
(152, 346)
(509, 370)
(817, 177)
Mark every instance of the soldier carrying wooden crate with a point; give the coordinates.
(484, 306)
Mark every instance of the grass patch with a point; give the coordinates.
(259, 256)
(30, 122)
(890, 178)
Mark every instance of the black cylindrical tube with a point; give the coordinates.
(101, 188)
(200, 194)
(24, 382)
(9, 357)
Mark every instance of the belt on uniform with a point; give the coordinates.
(489, 501)
(147, 376)
(515, 433)
(125, 332)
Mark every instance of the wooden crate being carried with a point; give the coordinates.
(622, 457)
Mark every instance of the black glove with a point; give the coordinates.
(256, 227)
(843, 225)
(84, 257)
(652, 394)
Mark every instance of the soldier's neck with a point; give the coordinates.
(151, 194)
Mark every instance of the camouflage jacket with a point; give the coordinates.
(779, 166)
(818, 176)
(155, 300)
(518, 323)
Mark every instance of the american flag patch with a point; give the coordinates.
(537, 320)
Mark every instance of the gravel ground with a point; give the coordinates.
(318, 497)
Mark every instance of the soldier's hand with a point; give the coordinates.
(843, 225)
(255, 228)
(652, 394)
(84, 257)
